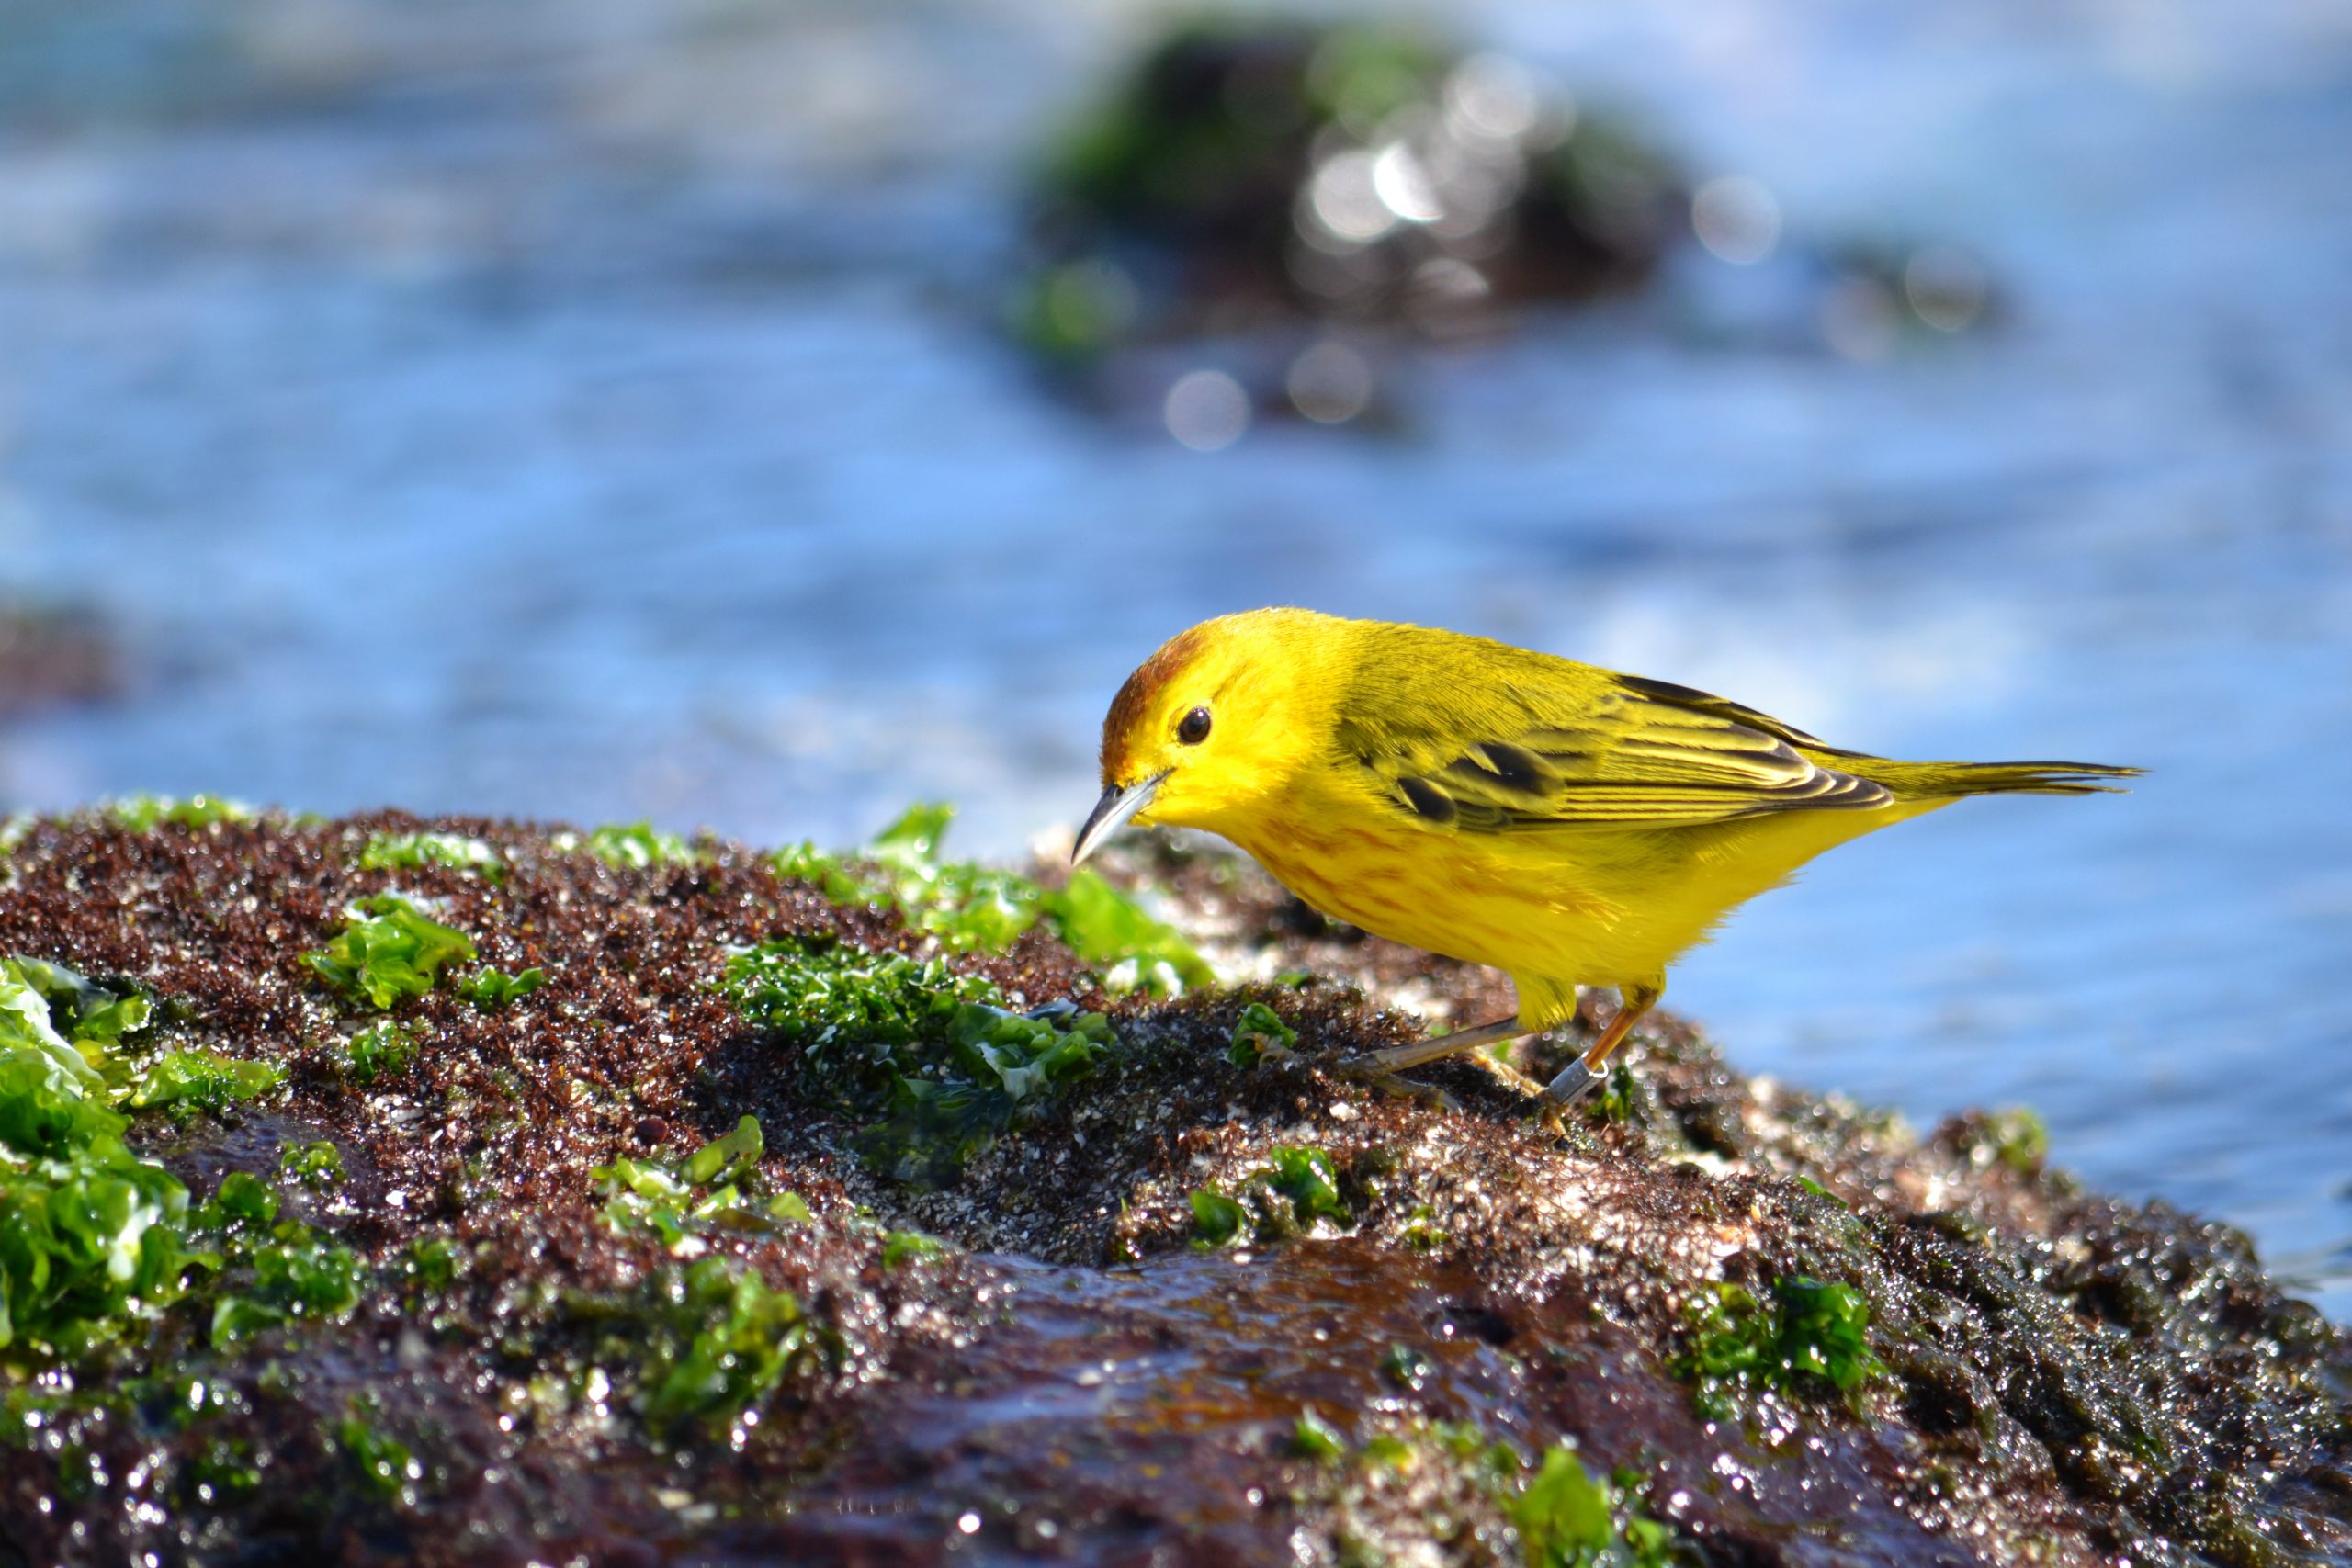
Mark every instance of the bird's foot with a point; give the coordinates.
(1371, 1070)
(1510, 1077)
(1573, 1083)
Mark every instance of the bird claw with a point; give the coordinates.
(1553, 1100)
(1367, 1070)
(1503, 1073)
(1573, 1083)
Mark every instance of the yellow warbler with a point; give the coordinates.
(1565, 824)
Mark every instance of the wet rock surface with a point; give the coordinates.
(55, 656)
(1773, 1327)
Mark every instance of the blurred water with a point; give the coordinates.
(592, 411)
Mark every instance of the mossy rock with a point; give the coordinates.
(607, 1265)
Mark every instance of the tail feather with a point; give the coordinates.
(1930, 780)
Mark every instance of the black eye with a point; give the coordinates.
(1195, 727)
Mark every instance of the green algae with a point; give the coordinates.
(1568, 1518)
(1313, 1438)
(1620, 1100)
(1562, 1514)
(79, 1031)
(222, 1473)
(431, 1263)
(1260, 1032)
(1305, 1177)
(968, 907)
(412, 852)
(385, 1468)
(490, 989)
(1072, 312)
(724, 1159)
(2015, 1137)
(1818, 1190)
(89, 1232)
(902, 1248)
(926, 1059)
(704, 1344)
(1217, 1220)
(971, 907)
(1808, 1337)
(708, 1194)
(995, 1071)
(1421, 1232)
(1136, 156)
(382, 1050)
(271, 1272)
(317, 1166)
(1111, 932)
(29, 1039)
(91, 1237)
(95, 1239)
(81, 1008)
(193, 1080)
(634, 846)
(718, 1340)
(1406, 1368)
(848, 1007)
(1297, 1187)
(391, 952)
(145, 813)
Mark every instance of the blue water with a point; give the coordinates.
(564, 411)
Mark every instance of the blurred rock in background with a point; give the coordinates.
(52, 655)
(1313, 194)
(1320, 183)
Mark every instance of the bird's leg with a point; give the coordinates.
(1590, 1070)
(1382, 1066)
(1399, 1059)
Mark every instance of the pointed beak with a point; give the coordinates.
(1111, 813)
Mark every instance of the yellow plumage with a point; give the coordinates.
(1563, 823)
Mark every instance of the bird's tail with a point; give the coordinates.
(1931, 781)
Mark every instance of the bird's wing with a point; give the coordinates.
(1621, 751)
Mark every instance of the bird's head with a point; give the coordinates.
(1220, 715)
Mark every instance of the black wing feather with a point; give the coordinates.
(1646, 754)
